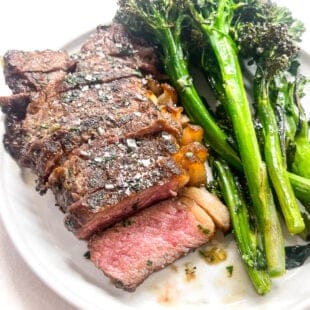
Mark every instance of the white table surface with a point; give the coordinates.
(32, 25)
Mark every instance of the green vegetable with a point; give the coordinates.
(230, 270)
(276, 164)
(301, 158)
(247, 239)
(87, 255)
(214, 19)
(301, 187)
(272, 50)
(305, 211)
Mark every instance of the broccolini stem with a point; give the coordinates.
(285, 107)
(246, 239)
(273, 156)
(300, 164)
(296, 129)
(301, 187)
(305, 211)
(239, 110)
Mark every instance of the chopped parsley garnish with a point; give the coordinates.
(206, 231)
(127, 222)
(44, 126)
(74, 129)
(190, 271)
(87, 255)
(230, 270)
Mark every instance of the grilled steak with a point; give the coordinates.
(105, 96)
(110, 181)
(96, 107)
(148, 241)
(26, 73)
(116, 44)
(32, 71)
(109, 111)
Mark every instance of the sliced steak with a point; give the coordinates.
(148, 241)
(105, 183)
(26, 73)
(106, 145)
(104, 97)
(15, 104)
(115, 42)
(32, 71)
(15, 107)
(62, 122)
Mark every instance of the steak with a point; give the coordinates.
(109, 111)
(148, 241)
(96, 105)
(32, 71)
(115, 43)
(105, 139)
(26, 73)
(104, 96)
(104, 183)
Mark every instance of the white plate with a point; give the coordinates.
(36, 228)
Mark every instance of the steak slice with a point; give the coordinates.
(115, 42)
(15, 104)
(148, 241)
(32, 71)
(103, 183)
(62, 122)
(15, 107)
(26, 73)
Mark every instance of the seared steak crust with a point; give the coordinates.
(32, 71)
(109, 111)
(123, 167)
(115, 43)
(104, 96)
(103, 183)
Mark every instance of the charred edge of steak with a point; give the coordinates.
(116, 41)
(84, 222)
(14, 137)
(26, 73)
(15, 104)
(132, 250)
(32, 71)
